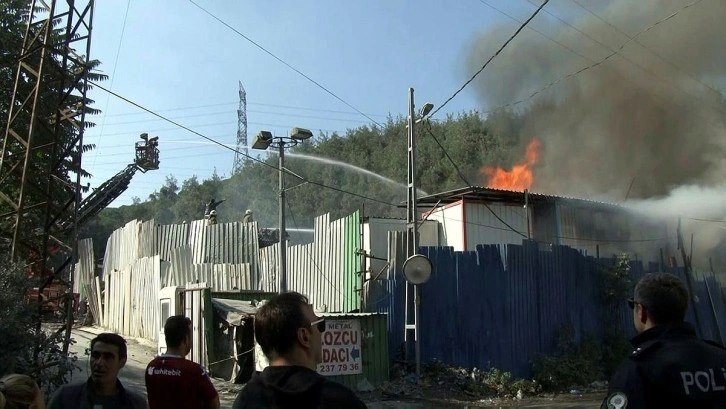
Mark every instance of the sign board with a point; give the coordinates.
(341, 348)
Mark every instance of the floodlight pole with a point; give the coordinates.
(264, 140)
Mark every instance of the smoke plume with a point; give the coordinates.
(661, 125)
(648, 124)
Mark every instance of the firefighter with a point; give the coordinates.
(248, 217)
(211, 207)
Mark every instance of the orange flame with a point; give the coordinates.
(521, 176)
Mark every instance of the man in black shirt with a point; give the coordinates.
(290, 335)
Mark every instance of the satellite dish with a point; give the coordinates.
(417, 269)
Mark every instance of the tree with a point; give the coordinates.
(19, 339)
(471, 140)
(164, 199)
(24, 347)
(54, 83)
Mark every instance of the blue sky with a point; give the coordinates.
(179, 61)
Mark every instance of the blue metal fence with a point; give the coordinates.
(477, 313)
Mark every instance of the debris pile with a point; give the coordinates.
(441, 381)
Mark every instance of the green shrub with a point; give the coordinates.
(22, 348)
(573, 364)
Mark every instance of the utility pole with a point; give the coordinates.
(689, 280)
(282, 259)
(412, 236)
(417, 268)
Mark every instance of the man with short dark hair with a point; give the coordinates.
(175, 382)
(670, 367)
(290, 335)
(103, 390)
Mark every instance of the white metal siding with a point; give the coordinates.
(375, 238)
(451, 220)
(482, 227)
(315, 269)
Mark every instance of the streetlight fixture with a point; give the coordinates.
(264, 140)
(425, 111)
(417, 268)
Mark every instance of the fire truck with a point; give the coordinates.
(54, 294)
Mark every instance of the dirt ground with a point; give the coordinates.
(141, 351)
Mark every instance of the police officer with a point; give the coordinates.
(670, 367)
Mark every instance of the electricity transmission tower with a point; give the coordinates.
(241, 148)
(42, 145)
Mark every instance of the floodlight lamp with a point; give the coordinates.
(262, 140)
(417, 269)
(301, 134)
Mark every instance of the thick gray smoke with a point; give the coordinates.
(617, 122)
(649, 123)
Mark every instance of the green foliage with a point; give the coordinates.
(579, 364)
(19, 339)
(471, 140)
(495, 382)
(479, 383)
(52, 99)
(573, 365)
(25, 345)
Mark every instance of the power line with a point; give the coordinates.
(285, 63)
(235, 103)
(461, 175)
(709, 121)
(235, 112)
(179, 141)
(534, 29)
(113, 72)
(607, 47)
(590, 239)
(463, 178)
(89, 134)
(594, 64)
(620, 74)
(491, 58)
(192, 155)
(561, 45)
(292, 215)
(235, 150)
(647, 48)
(706, 220)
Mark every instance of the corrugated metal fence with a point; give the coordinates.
(328, 270)
(143, 257)
(477, 313)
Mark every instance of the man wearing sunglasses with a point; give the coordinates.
(670, 367)
(290, 335)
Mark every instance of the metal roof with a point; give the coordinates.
(506, 196)
(234, 311)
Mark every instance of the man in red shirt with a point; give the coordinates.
(175, 382)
